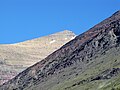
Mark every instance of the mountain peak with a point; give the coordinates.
(15, 58)
(65, 32)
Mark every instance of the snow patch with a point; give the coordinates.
(52, 41)
(73, 37)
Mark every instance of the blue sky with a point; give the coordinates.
(22, 20)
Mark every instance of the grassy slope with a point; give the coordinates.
(110, 60)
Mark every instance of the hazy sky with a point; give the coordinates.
(21, 20)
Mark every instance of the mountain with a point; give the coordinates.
(15, 58)
(91, 61)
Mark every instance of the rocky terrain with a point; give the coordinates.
(91, 61)
(15, 58)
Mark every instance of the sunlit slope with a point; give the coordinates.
(15, 58)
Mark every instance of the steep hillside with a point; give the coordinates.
(91, 61)
(15, 58)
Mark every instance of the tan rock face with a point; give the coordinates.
(15, 58)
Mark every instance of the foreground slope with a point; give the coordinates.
(15, 58)
(89, 62)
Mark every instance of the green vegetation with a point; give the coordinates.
(107, 61)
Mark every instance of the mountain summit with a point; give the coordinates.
(88, 62)
(15, 58)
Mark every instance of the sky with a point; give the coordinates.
(21, 20)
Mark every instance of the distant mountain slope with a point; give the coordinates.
(91, 61)
(15, 58)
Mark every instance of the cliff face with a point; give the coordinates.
(88, 62)
(15, 58)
